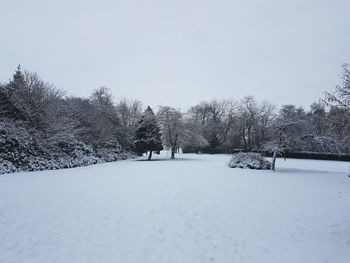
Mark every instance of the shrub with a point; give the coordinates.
(7, 167)
(249, 160)
(23, 149)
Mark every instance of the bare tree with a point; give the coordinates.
(288, 131)
(172, 127)
(248, 115)
(214, 120)
(129, 112)
(340, 98)
(106, 120)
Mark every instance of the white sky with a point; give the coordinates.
(180, 52)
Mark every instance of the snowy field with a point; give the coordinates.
(194, 209)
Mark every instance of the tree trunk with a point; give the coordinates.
(244, 140)
(150, 155)
(174, 146)
(273, 161)
(249, 138)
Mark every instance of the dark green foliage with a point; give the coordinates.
(148, 136)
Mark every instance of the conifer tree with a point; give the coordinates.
(16, 94)
(148, 136)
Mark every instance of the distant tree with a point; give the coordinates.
(172, 127)
(214, 121)
(318, 118)
(83, 114)
(148, 136)
(102, 96)
(338, 116)
(106, 119)
(265, 120)
(129, 113)
(193, 138)
(248, 112)
(288, 131)
(253, 121)
(338, 120)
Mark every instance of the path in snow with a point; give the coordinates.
(191, 210)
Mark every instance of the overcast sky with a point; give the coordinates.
(180, 52)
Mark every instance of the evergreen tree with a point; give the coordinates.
(16, 94)
(148, 136)
(18, 81)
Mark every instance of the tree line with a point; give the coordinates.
(57, 126)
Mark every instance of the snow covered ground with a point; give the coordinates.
(194, 209)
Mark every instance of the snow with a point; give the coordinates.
(193, 209)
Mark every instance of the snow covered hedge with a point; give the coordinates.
(249, 160)
(23, 149)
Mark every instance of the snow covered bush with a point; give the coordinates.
(112, 151)
(249, 160)
(17, 142)
(23, 148)
(7, 167)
